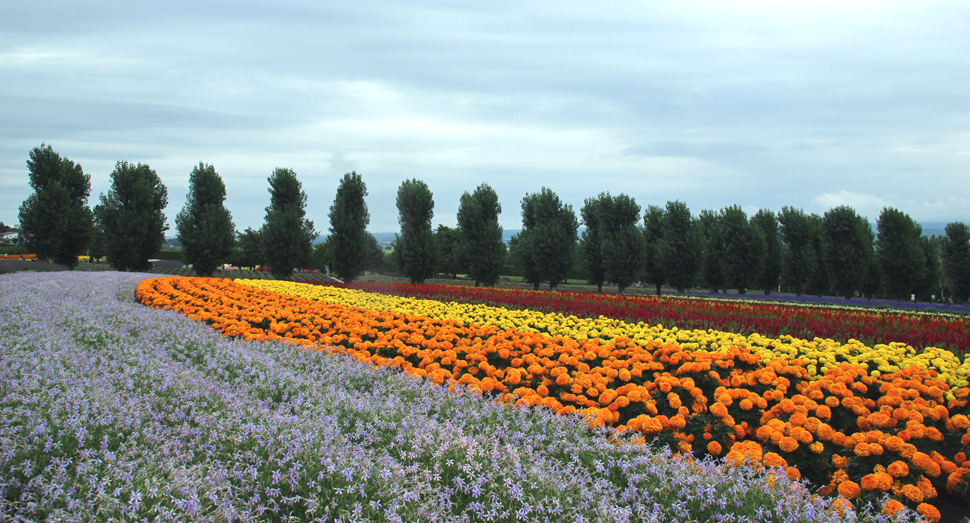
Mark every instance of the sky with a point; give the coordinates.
(763, 104)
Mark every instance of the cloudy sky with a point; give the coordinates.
(764, 104)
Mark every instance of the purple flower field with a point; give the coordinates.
(115, 412)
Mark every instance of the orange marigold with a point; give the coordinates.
(912, 493)
(849, 489)
(929, 512)
(898, 469)
(714, 447)
(788, 444)
(892, 507)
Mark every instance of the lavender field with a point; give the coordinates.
(115, 412)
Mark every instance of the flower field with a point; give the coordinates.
(115, 411)
(857, 422)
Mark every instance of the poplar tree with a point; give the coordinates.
(131, 216)
(481, 235)
(744, 248)
(590, 243)
(55, 221)
(653, 231)
(681, 251)
(204, 225)
(287, 236)
(799, 258)
(899, 254)
(767, 222)
(548, 239)
(955, 254)
(415, 250)
(349, 241)
(712, 271)
(847, 249)
(622, 245)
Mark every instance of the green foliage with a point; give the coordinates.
(847, 249)
(744, 248)
(448, 241)
(767, 221)
(130, 216)
(800, 260)
(653, 230)
(545, 246)
(321, 257)
(955, 254)
(415, 251)
(622, 244)
(249, 249)
(681, 250)
(204, 225)
(483, 250)
(287, 236)
(589, 245)
(348, 228)
(932, 273)
(899, 254)
(56, 221)
(712, 271)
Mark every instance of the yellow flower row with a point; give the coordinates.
(820, 355)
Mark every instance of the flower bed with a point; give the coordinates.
(849, 432)
(918, 330)
(114, 411)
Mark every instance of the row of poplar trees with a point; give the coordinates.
(837, 253)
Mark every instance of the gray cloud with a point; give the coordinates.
(761, 104)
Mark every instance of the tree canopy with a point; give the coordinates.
(204, 225)
(767, 222)
(955, 254)
(546, 244)
(131, 216)
(349, 242)
(622, 245)
(55, 220)
(589, 245)
(680, 252)
(847, 249)
(287, 235)
(415, 250)
(744, 248)
(899, 254)
(653, 232)
(483, 250)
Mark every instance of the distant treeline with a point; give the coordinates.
(837, 253)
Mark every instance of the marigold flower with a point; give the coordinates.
(912, 493)
(892, 507)
(929, 512)
(849, 489)
(898, 469)
(714, 448)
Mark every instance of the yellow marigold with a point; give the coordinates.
(849, 489)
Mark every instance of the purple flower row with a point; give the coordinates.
(113, 411)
